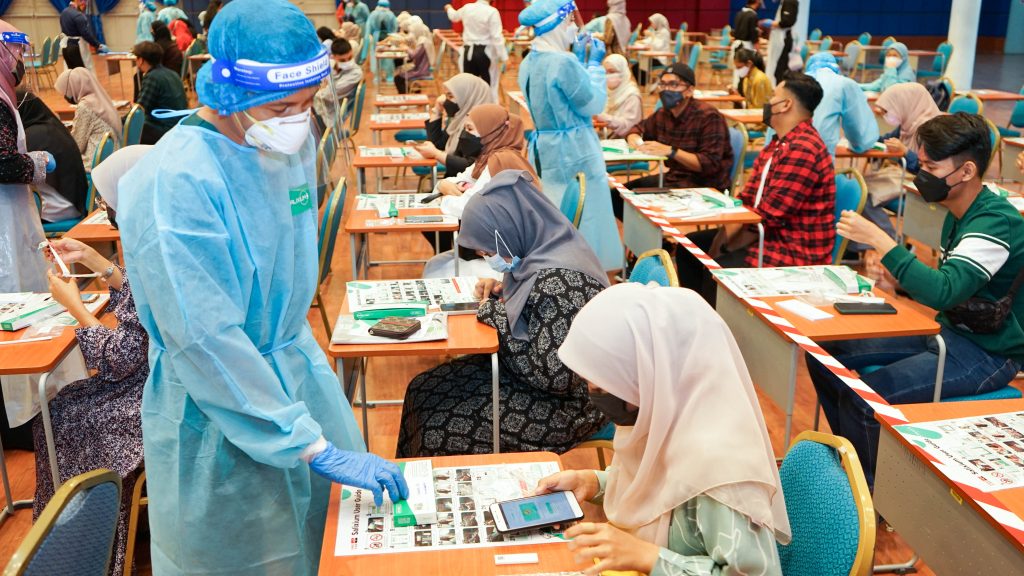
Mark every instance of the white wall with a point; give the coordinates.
(39, 19)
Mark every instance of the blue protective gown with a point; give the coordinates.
(380, 23)
(143, 26)
(360, 13)
(170, 14)
(562, 96)
(221, 242)
(843, 103)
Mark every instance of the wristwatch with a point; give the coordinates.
(672, 153)
(107, 273)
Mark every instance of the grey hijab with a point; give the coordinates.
(534, 230)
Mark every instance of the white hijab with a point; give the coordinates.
(626, 89)
(106, 174)
(558, 39)
(699, 429)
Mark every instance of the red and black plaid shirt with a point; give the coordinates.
(700, 129)
(797, 206)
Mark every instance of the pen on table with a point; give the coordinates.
(36, 339)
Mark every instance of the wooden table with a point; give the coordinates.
(376, 127)
(360, 225)
(66, 111)
(553, 557)
(39, 357)
(922, 220)
(718, 96)
(744, 116)
(466, 335)
(986, 95)
(772, 357)
(913, 57)
(361, 163)
(1012, 147)
(957, 529)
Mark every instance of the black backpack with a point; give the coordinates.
(940, 93)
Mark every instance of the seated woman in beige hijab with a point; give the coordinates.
(95, 114)
(693, 488)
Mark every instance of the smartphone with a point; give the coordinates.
(430, 198)
(864, 308)
(456, 308)
(536, 512)
(651, 190)
(395, 327)
(423, 219)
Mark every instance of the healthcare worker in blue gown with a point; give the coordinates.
(381, 22)
(563, 90)
(244, 425)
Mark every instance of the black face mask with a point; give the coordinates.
(450, 108)
(768, 113)
(670, 99)
(932, 187)
(620, 412)
(469, 146)
(19, 72)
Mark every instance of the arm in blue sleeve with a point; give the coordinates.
(184, 263)
(913, 162)
(859, 123)
(584, 88)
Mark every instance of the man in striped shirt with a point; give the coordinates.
(982, 256)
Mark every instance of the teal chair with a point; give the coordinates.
(939, 63)
(831, 514)
(968, 103)
(864, 38)
(572, 200)
(41, 62)
(330, 223)
(851, 194)
(738, 142)
(355, 117)
(880, 64)
(694, 57)
(75, 532)
(326, 152)
(826, 44)
(103, 150)
(131, 132)
(655, 266)
(815, 35)
(1016, 120)
(636, 33)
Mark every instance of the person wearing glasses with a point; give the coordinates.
(690, 133)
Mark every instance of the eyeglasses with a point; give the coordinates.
(673, 86)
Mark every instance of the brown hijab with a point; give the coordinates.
(501, 135)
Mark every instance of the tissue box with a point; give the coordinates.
(420, 507)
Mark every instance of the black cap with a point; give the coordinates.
(683, 71)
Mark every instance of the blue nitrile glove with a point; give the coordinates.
(51, 163)
(361, 470)
(597, 52)
(579, 47)
(102, 49)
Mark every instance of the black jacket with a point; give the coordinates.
(745, 26)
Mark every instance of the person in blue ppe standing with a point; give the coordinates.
(143, 26)
(381, 22)
(563, 90)
(171, 12)
(843, 104)
(357, 12)
(244, 424)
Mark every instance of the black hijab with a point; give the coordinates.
(45, 132)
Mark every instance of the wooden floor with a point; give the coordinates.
(387, 377)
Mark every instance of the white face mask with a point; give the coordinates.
(742, 72)
(891, 119)
(614, 80)
(345, 66)
(286, 134)
(893, 61)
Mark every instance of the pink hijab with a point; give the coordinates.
(699, 429)
(911, 103)
(7, 65)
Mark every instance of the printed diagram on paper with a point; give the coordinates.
(793, 281)
(986, 452)
(397, 118)
(688, 203)
(395, 152)
(364, 295)
(99, 217)
(464, 521)
(401, 201)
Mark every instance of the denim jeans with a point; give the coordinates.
(907, 376)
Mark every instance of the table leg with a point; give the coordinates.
(10, 504)
(760, 244)
(353, 244)
(51, 448)
(455, 250)
(362, 393)
(495, 414)
(361, 181)
(940, 367)
(661, 173)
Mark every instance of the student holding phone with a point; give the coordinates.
(693, 488)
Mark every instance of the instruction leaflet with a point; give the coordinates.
(367, 295)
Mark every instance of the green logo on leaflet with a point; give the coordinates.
(346, 493)
(300, 199)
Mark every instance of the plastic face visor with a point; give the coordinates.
(14, 38)
(563, 12)
(272, 77)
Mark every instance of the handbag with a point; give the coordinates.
(981, 316)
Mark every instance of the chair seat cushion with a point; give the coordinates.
(607, 432)
(631, 167)
(60, 225)
(1006, 393)
(417, 134)
(1005, 132)
(425, 170)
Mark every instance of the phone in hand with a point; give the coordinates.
(456, 308)
(535, 512)
(864, 308)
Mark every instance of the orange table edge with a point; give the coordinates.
(554, 557)
(356, 223)
(41, 356)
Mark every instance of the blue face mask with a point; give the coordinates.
(496, 262)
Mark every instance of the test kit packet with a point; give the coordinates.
(420, 507)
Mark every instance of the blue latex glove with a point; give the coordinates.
(102, 49)
(361, 470)
(579, 47)
(597, 52)
(51, 163)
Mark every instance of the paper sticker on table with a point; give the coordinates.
(825, 281)
(398, 152)
(98, 217)
(687, 202)
(367, 295)
(986, 452)
(464, 496)
(401, 201)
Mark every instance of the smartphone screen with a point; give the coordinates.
(537, 511)
(459, 306)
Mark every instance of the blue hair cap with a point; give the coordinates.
(546, 15)
(821, 60)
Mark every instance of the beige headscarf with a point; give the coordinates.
(422, 37)
(501, 135)
(626, 89)
(699, 429)
(82, 86)
(912, 104)
(470, 91)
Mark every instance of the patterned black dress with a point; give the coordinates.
(97, 422)
(543, 405)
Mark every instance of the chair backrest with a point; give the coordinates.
(325, 153)
(805, 50)
(966, 103)
(684, 27)
(853, 55)
(815, 34)
(131, 133)
(826, 44)
(655, 266)
(44, 54)
(75, 532)
(572, 200)
(738, 140)
(726, 35)
(38, 200)
(359, 96)
(885, 44)
(636, 33)
(995, 139)
(54, 50)
(1017, 116)
(695, 56)
(946, 49)
(864, 38)
(851, 194)
(103, 150)
(829, 506)
(330, 223)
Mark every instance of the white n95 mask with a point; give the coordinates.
(285, 135)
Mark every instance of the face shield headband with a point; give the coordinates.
(272, 77)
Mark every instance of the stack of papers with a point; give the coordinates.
(351, 330)
(686, 203)
(99, 217)
(825, 282)
(396, 118)
(388, 151)
(21, 309)
(709, 93)
(400, 201)
(430, 292)
(399, 98)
